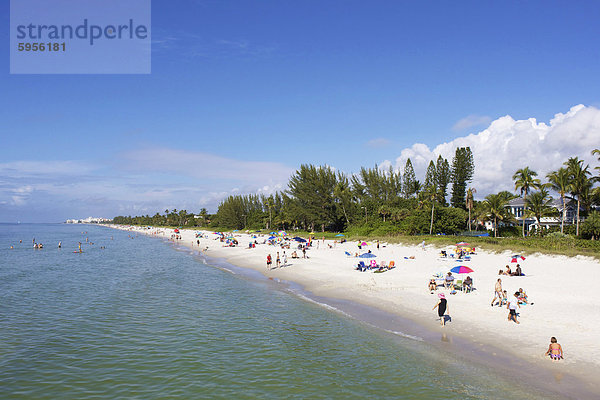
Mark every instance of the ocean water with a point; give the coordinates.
(143, 319)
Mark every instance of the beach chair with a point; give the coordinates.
(458, 285)
(361, 266)
(348, 254)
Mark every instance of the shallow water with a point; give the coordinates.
(142, 319)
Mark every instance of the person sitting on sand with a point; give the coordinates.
(449, 281)
(294, 254)
(507, 271)
(555, 350)
(522, 297)
(432, 285)
(467, 284)
(518, 271)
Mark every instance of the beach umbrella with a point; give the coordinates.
(367, 255)
(461, 269)
(462, 244)
(339, 234)
(300, 240)
(271, 237)
(364, 244)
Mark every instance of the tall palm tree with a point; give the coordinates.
(559, 181)
(494, 208)
(469, 203)
(524, 180)
(578, 175)
(539, 204)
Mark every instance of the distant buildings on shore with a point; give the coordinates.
(88, 220)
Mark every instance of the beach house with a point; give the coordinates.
(517, 208)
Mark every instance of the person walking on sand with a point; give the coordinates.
(442, 306)
(277, 261)
(555, 350)
(269, 261)
(512, 306)
(284, 259)
(498, 293)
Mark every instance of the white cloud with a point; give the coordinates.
(507, 145)
(470, 121)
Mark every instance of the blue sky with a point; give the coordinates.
(261, 87)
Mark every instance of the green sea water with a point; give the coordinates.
(143, 319)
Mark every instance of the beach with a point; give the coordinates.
(560, 299)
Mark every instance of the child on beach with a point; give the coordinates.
(555, 350)
(504, 299)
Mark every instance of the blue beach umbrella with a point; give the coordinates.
(367, 255)
(339, 234)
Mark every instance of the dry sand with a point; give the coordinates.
(562, 290)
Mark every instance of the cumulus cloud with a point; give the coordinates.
(470, 121)
(507, 145)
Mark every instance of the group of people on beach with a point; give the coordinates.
(279, 261)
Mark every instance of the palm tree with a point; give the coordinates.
(539, 204)
(430, 195)
(578, 175)
(559, 181)
(469, 203)
(525, 180)
(494, 208)
(384, 210)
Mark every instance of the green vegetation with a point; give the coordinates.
(384, 204)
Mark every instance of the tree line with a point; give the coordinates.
(377, 201)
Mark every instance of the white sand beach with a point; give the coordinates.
(561, 289)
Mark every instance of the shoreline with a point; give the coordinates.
(390, 303)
